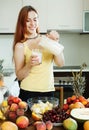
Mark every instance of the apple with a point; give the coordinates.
(69, 101)
(23, 105)
(12, 115)
(22, 122)
(65, 106)
(13, 107)
(10, 99)
(16, 100)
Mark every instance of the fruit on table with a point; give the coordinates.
(41, 107)
(74, 99)
(8, 125)
(2, 117)
(40, 125)
(70, 124)
(56, 115)
(76, 105)
(4, 103)
(36, 116)
(13, 107)
(86, 125)
(65, 106)
(20, 112)
(22, 121)
(11, 99)
(49, 125)
(23, 104)
(75, 102)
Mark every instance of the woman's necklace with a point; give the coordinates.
(32, 37)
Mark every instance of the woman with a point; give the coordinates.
(36, 78)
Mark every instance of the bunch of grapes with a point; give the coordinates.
(56, 115)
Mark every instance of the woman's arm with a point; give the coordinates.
(59, 60)
(21, 69)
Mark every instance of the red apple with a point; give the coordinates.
(22, 122)
(10, 100)
(13, 107)
(65, 106)
(23, 105)
(76, 100)
(16, 100)
(12, 115)
(69, 101)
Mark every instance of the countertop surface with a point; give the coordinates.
(69, 69)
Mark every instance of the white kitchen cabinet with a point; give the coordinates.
(86, 4)
(41, 7)
(8, 15)
(65, 14)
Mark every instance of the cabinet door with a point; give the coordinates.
(86, 5)
(41, 7)
(65, 14)
(8, 15)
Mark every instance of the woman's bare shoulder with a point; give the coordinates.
(19, 45)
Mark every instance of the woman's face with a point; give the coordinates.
(32, 22)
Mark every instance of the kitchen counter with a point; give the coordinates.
(70, 69)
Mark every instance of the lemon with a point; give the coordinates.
(4, 103)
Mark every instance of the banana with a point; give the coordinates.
(2, 117)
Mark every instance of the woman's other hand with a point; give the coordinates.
(54, 35)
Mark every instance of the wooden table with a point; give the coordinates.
(54, 128)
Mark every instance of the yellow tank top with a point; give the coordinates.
(40, 78)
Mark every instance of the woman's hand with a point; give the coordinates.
(54, 35)
(34, 60)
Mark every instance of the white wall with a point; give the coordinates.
(76, 48)
(6, 42)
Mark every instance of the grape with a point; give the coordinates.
(56, 115)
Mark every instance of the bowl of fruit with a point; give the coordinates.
(40, 105)
(13, 107)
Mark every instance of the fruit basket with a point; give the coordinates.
(42, 104)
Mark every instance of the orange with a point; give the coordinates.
(86, 125)
(36, 116)
(81, 98)
(73, 97)
(84, 102)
